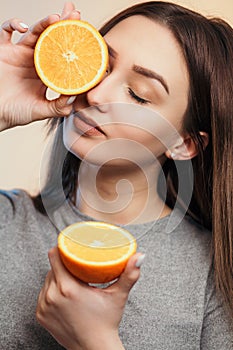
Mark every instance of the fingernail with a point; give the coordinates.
(23, 25)
(71, 100)
(140, 260)
(76, 13)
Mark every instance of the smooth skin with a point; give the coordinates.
(78, 316)
(126, 104)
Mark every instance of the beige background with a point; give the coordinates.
(21, 148)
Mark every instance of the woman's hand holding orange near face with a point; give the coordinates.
(80, 316)
(23, 100)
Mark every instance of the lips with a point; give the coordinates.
(87, 125)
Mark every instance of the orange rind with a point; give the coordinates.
(71, 57)
(95, 252)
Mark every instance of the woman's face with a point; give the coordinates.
(141, 102)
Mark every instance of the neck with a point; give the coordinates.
(118, 196)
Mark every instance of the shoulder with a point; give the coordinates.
(185, 229)
(14, 197)
(195, 229)
(14, 203)
(190, 245)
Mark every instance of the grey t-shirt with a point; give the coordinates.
(173, 306)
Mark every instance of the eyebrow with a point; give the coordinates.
(142, 71)
(151, 74)
(111, 51)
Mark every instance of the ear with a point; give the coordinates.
(188, 148)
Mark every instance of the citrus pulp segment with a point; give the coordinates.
(95, 252)
(71, 57)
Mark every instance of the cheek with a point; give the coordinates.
(133, 139)
(151, 128)
(140, 137)
(72, 140)
(154, 146)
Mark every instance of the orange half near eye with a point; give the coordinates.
(95, 252)
(71, 57)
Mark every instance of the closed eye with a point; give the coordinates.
(136, 97)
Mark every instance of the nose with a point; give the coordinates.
(102, 94)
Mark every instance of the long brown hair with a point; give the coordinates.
(206, 44)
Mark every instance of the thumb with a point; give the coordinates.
(61, 106)
(131, 273)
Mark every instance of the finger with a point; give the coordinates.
(58, 268)
(131, 274)
(75, 14)
(45, 287)
(31, 37)
(42, 294)
(48, 279)
(40, 305)
(59, 107)
(46, 297)
(8, 27)
(67, 9)
(56, 264)
(66, 282)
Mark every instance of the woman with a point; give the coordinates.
(165, 102)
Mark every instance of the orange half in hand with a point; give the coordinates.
(95, 252)
(71, 57)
